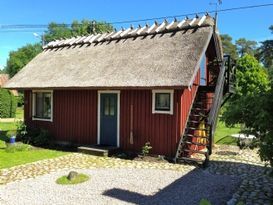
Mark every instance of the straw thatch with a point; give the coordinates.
(3, 80)
(166, 56)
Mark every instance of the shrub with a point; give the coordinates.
(34, 136)
(21, 131)
(146, 149)
(8, 104)
(266, 151)
(204, 202)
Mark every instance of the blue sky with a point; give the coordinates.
(251, 23)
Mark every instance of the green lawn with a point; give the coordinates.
(19, 113)
(21, 157)
(223, 134)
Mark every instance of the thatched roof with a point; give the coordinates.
(4, 78)
(163, 55)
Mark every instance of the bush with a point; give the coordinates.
(8, 104)
(34, 136)
(146, 149)
(266, 148)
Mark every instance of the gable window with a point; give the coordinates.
(163, 101)
(42, 102)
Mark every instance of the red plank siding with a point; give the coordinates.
(187, 98)
(158, 129)
(74, 116)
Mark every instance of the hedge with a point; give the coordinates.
(8, 104)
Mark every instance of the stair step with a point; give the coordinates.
(196, 151)
(195, 143)
(197, 115)
(196, 128)
(188, 159)
(196, 136)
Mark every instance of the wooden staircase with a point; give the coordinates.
(195, 145)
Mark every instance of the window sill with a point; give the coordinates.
(41, 119)
(162, 112)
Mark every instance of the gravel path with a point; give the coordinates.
(122, 186)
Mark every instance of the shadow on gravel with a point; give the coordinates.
(217, 183)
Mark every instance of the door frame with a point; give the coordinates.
(118, 112)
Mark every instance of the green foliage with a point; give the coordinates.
(228, 47)
(146, 149)
(8, 104)
(245, 46)
(21, 131)
(80, 178)
(265, 52)
(266, 148)
(251, 83)
(18, 147)
(34, 136)
(84, 27)
(20, 99)
(204, 202)
(18, 59)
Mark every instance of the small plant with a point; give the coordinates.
(18, 147)
(79, 178)
(21, 130)
(146, 149)
(204, 202)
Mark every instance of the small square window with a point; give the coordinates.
(163, 101)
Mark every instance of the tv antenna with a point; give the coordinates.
(216, 4)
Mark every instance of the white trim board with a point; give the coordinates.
(118, 113)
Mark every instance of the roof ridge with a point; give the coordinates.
(131, 32)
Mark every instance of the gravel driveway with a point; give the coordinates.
(123, 186)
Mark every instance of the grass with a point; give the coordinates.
(80, 178)
(21, 156)
(223, 134)
(10, 159)
(19, 113)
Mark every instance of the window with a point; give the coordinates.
(163, 101)
(42, 105)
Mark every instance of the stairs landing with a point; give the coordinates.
(98, 150)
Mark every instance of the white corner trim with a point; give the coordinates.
(154, 111)
(118, 114)
(34, 105)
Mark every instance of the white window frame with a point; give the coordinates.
(34, 105)
(154, 111)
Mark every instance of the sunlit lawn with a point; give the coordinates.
(223, 134)
(21, 157)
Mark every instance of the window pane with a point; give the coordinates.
(47, 105)
(39, 105)
(112, 106)
(106, 106)
(43, 105)
(162, 101)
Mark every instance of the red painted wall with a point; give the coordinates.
(187, 98)
(75, 118)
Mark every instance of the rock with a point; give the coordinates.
(72, 175)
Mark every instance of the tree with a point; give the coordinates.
(18, 59)
(228, 47)
(252, 84)
(265, 52)
(245, 46)
(84, 27)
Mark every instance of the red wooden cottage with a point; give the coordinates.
(161, 83)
